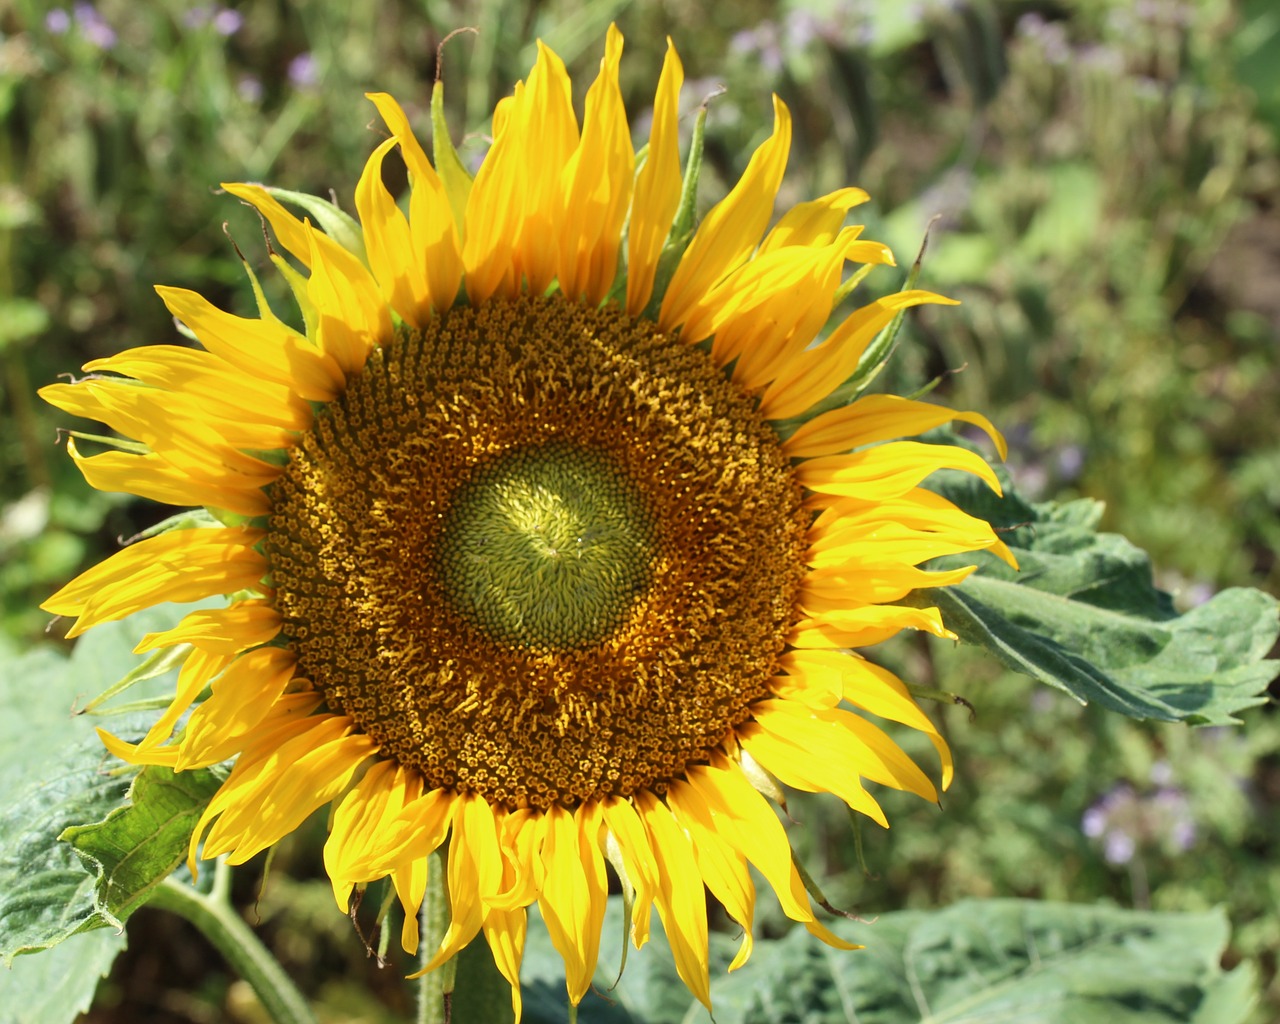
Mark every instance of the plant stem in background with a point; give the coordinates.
(433, 921)
(219, 922)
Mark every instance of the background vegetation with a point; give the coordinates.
(1106, 180)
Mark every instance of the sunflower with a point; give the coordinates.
(518, 555)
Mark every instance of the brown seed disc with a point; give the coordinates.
(540, 552)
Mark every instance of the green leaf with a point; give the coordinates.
(57, 776)
(1083, 615)
(58, 985)
(991, 960)
(46, 896)
(137, 846)
(996, 960)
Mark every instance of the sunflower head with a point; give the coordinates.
(519, 557)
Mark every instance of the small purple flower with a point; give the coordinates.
(743, 41)
(1119, 847)
(1031, 24)
(249, 89)
(1050, 35)
(225, 21)
(94, 26)
(1198, 594)
(1125, 821)
(762, 42)
(303, 72)
(802, 27)
(1070, 462)
(57, 21)
(1101, 58)
(228, 22)
(1043, 701)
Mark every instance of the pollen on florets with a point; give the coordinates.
(539, 551)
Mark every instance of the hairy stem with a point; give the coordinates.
(219, 922)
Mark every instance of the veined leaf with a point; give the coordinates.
(978, 961)
(58, 777)
(1082, 614)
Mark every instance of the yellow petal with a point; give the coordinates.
(351, 316)
(814, 770)
(178, 565)
(202, 431)
(288, 228)
(195, 674)
(133, 753)
(269, 793)
(888, 470)
(658, 187)
(434, 232)
(417, 832)
(851, 742)
(242, 697)
(680, 899)
(786, 283)
(861, 627)
(723, 868)
(747, 821)
(815, 373)
(266, 348)
(511, 212)
(520, 838)
(877, 418)
(596, 187)
(732, 228)
(918, 513)
(637, 858)
(574, 892)
(837, 587)
(475, 871)
(357, 819)
(227, 630)
(505, 930)
(389, 245)
(879, 691)
(410, 881)
(217, 384)
(544, 121)
(150, 476)
(813, 223)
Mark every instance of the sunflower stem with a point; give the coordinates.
(433, 922)
(219, 922)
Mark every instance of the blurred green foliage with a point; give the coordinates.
(1105, 177)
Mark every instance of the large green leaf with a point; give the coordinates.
(993, 960)
(58, 777)
(46, 895)
(58, 985)
(998, 960)
(1082, 614)
(135, 847)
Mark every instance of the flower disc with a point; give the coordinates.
(547, 546)
(540, 552)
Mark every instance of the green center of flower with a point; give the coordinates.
(547, 547)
